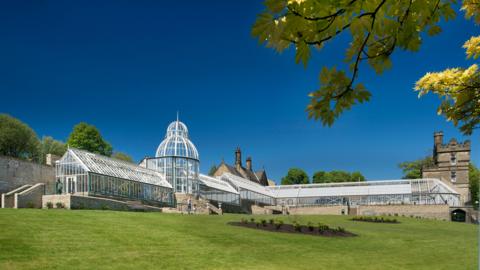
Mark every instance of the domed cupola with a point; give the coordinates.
(177, 143)
(177, 158)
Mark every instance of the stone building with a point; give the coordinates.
(451, 162)
(259, 177)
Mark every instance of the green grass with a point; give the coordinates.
(63, 239)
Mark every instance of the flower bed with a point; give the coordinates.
(278, 226)
(375, 219)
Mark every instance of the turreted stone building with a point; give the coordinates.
(451, 162)
(259, 177)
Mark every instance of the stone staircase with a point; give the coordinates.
(8, 199)
(199, 205)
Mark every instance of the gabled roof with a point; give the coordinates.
(216, 183)
(240, 182)
(117, 168)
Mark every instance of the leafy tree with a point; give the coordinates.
(337, 176)
(377, 28)
(459, 89)
(474, 179)
(295, 176)
(212, 170)
(87, 137)
(413, 169)
(17, 139)
(48, 145)
(357, 177)
(122, 156)
(321, 177)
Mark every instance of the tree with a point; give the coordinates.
(413, 169)
(321, 177)
(212, 170)
(48, 145)
(474, 179)
(357, 177)
(17, 139)
(459, 89)
(377, 28)
(122, 156)
(295, 176)
(87, 137)
(337, 176)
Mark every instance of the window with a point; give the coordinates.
(453, 159)
(453, 176)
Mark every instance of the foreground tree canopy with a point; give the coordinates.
(295, 176)
(17, 139)
(87, 137)
(377, 29)
(337, 176)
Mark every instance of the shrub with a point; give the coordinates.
(105, 207)
(278, 224)
(322, 227)
(30, 205)
(258, 224)
(264, 222)
(252, 220)
(395, 214)
(297, 226)
(49, 205)
(243, 220)
(60, 205)
(341, 229)
(271, 221)
(310, 226)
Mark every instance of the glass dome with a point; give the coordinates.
(177, 158)
(176, 143)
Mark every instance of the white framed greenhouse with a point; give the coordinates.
(80, 172)
(388, 192)
(219, 191)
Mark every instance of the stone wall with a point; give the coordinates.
(31, 197)
(15, 173)
(64, 199)
(258, 210)
(441, 212)
(319, 210)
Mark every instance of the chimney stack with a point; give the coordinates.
(249, 163)
(238, 158)
(438, 138)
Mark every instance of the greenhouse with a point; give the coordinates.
(416, 191)
(216, 190)
(83, 173)
(177, 159)
(250, 191)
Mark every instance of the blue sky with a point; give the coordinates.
(128, 66)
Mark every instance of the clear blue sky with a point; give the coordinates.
(128, 66)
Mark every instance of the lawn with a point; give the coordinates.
(86, 239)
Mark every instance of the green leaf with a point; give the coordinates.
(303, 53)
(434, 30)
(275, 6)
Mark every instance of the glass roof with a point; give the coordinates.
(177, 143)
(117, 168)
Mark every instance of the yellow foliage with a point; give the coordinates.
(473, 47)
